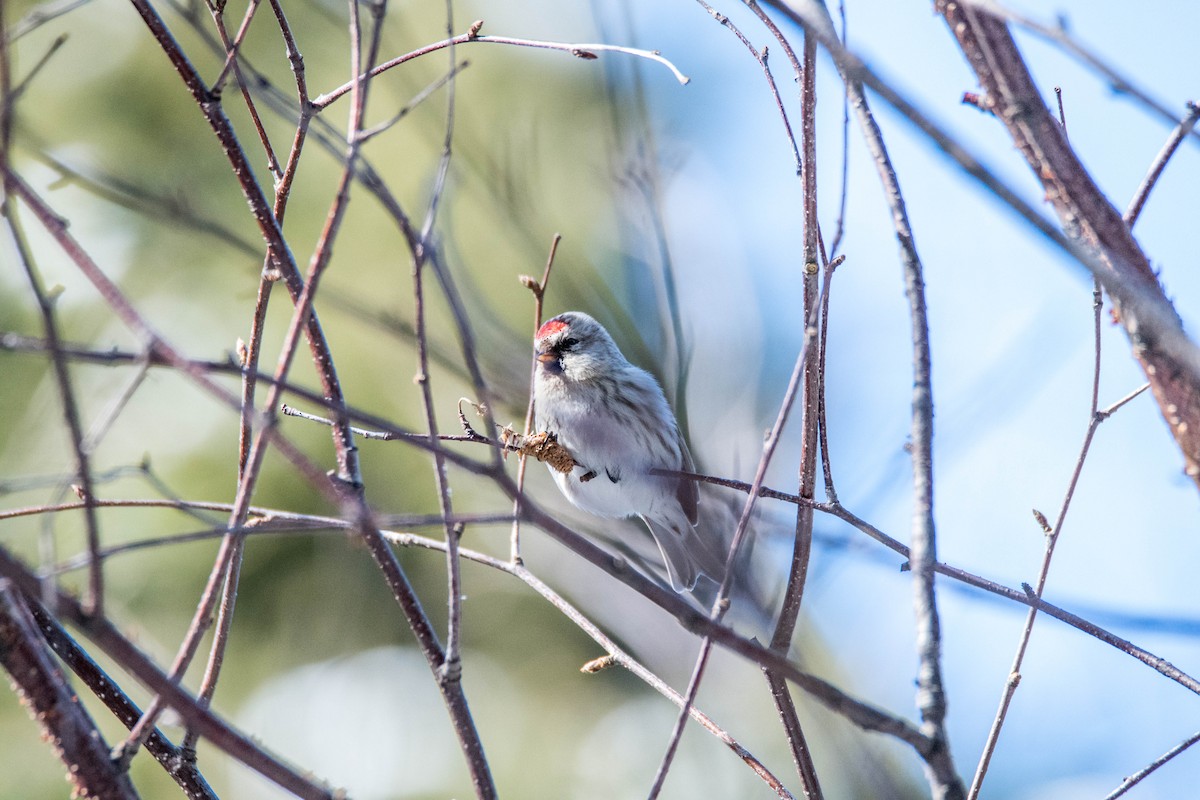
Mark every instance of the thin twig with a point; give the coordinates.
(1160, 163)
(232, 51)
(450, 669)
(1143, 773)
(1057, 34)
(1052, 534)
(66, 392)
(418, 98)
(815, 302)
(721, 603)
(538, 288)
(761, 57)
(839, 225)
(822, 417)
(584, 51)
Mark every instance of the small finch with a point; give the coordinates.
(614, 420)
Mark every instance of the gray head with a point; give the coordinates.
(576, 347)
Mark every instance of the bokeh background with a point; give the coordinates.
(644, 178)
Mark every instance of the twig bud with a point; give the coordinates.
(598, 664)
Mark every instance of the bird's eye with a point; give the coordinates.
(569, 343)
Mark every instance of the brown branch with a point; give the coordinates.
(446, 664)
(939, 765)
(538, 289)
(1154, 329)
(615, 655)
(113, 696)
(49, 700)
(268, 225)
(812, 394)
(105, 635)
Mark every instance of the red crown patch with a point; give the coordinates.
(552, 326)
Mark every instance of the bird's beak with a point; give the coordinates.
(547, 357)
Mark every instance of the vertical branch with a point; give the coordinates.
(538, 288)
(839, 227)
(931, 701)
(70, 409)
(451, 668)
(822, 420)
(232, 49)
(250, 355)
(811, 393)
(225, 570)
(721, 603)
(446, 664)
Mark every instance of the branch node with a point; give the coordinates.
(599, 664)
(979, 101)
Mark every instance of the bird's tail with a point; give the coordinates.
(685, 553)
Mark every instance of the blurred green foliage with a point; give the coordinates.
(106, 131)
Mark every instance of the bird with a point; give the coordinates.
(614, 420)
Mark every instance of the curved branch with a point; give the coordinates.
(584, 51)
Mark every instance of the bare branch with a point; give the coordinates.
(44, 691)
(1142, 774)
(1186, 125)
(584, 51)
(215, 730)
